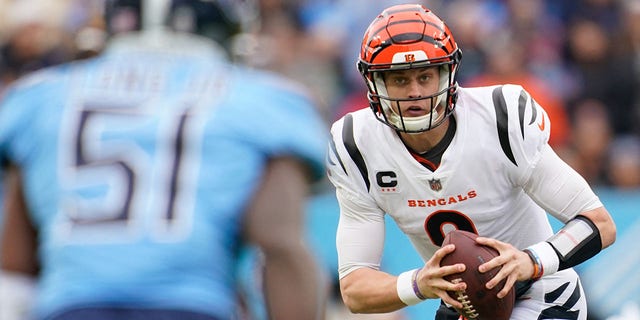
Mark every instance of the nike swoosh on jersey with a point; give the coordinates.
(541, 125)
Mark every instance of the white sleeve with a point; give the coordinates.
(559, 189)
(361, 230)
(17, 291)
(360, 235)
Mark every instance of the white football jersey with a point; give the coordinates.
(500, 133)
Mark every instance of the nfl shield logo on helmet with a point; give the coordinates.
(435, 184)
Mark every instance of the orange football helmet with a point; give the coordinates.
(404, 37)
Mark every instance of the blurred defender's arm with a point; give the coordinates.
(19, 237)
(18, 253)
(275, 222)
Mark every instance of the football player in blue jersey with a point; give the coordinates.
(139, 175)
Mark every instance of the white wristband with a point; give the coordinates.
(548, 257)
(404, 286)
(16, 295)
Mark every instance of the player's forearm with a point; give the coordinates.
(579, 240)
(18, 236)
(370, 291)
(294, 286)
(603, 221)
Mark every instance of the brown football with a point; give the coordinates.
(480, 303)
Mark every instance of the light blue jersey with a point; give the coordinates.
(138, 167)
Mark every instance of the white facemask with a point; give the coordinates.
(420, 123)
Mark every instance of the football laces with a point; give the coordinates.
(467, 308)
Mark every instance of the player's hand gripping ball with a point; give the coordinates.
(479, 302)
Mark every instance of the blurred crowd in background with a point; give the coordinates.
(580, 59)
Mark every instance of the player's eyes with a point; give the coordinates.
(425, 78)
(399, 80)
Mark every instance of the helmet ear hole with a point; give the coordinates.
(361, 67)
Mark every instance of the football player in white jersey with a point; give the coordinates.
(437, 157)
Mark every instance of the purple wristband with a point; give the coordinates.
(414, 282)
